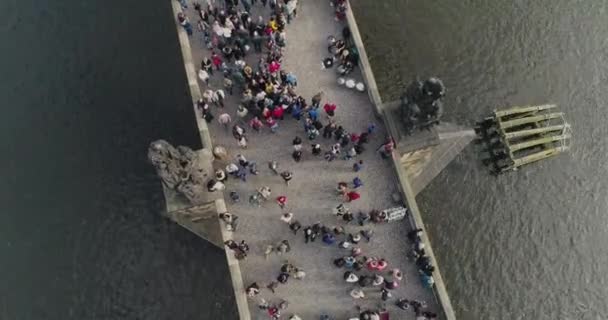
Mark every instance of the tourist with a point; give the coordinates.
(242, 160)
(371, 128)
(299, 274)
(329, 129)
(220, 175)
(286, 217)
(357, 294)
(396, 273)
(309, 236)
(252, 290)
(344, 245)
(218, 98)
(414, 235)
(272, 286)
(213, 185)
(357, 182)
(378, 280)
(350, 277)
(352, 196)
(216, 60)
(230, 220)
(265, 192)
(403, 304)
(386, 149)
(330, 110)
(204, 76)
(283, 277)
(363, 218)
(316, 99)
(256, 124)
(232, 169)
(273, 166)
(207, 65)
(269, 249)
(237, 131)
(350, 153)
(354, 238)
(228, 85)
(224, 119)
(342, 190)
(242, 112)
(297, 156)
(272, 124)
(287, 176)
(358, 166)
(297, 144)
(365, 281)
(242, 142)
(316, 149)
(234, 196)
(391, 284)
(288, 268)
(295, 226)
(329, 239)
(283, 247)
(367, 234)
(185, 23)
(348, 217)
(386, 294)
(282, 201)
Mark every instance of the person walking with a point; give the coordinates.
(282, 201)
(357, 294)
(286, 217)
(256, 124)
(287, 176)
(308, 235)
(357, 182)
(207, 65)
(224, 119)
(316, 99)
(358, 166)
(297, 144)
(218, 98)
(203, 75)
(241, 112)
(295, 226)
(216, 60)
(228, 85)
(283, 247)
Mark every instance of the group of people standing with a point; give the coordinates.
(268, 96)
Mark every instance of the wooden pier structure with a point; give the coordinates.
(522, 135)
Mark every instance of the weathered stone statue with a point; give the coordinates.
(178, 169)
(421, 105)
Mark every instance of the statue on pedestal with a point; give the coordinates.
(177, 168)
(421, 105)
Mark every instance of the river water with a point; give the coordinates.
(527, 244)
(85, 86)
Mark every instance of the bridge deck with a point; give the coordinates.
(311, 194)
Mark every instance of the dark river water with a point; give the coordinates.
(529, 244)
(85, 86)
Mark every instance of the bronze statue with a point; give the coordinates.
(421, 105)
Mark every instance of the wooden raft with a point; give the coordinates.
(522, 135)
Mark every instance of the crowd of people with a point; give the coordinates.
(268, 96)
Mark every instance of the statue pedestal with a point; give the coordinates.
(424, 154)
(418, 139)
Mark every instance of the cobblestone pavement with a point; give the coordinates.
(311, 194)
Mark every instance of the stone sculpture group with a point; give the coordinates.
(178, 168)
(421, 104)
